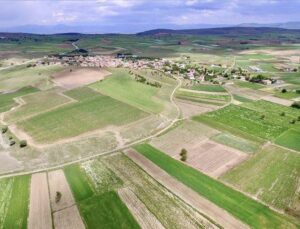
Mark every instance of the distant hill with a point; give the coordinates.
(219, 31)
(284, 25)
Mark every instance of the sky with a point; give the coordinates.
(130, 16)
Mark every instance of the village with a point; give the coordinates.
(214, 73)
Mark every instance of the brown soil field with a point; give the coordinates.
(68, 218)
(79, 77)
(247, 92)
(279, 101)
(186, 194)
(58, 183)
(39, 208)
(190, 109)
(140, 212)
(209, 157)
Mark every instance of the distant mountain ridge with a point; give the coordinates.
(218, 31)
(283, 25)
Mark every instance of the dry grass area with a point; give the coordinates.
(58, 183)
(189, 109)
(186, 194)
(79, 77)
(247, 92)
(140, 212)
(39, 208)
(187, 133)
(279, 101)
(68, 218)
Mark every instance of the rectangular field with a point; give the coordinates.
(251, 212)
(176, 213)
(39, 208)
(271, 175)
(14, 200)
(58, 183)
(77, 118)
(140, 212)
(266, 125)
(78, 182)
(121, 86)
(6, 100)
(68, 218)
(79, 77)
(290, 139)
(217, 100)
(107, 211)
(208, 87)
(35, 104)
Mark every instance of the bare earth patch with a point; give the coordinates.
(140, 212)
(186, 194)
(68, 218)
(190, 109)
(39, 208)
(58, 183)
(79, 77)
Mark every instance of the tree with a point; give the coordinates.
(23, 143)
(4, 129)
(262, 116)
(283, 90)
(282, 114)
(58, 197)
(183, 155)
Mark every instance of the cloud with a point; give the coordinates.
(150, 14)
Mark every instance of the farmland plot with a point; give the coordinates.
(36, 103)
(116, 214)
(176, 213)
(290, 139)
(39, 210)
(59, 184)
(271, 175)
(79, 77)
(250, 212)
(14, 198)
(68, 218)
(77, 118)
(144, 217)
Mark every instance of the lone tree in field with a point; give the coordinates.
(183, 155)
(58, 197)
(23, 143)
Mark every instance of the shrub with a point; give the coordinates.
(183, 155)
(283, 90)
(282, 114)
(23, 143)
(58, 197)
(296, 105)
(298, 119)
(262, 116)
(293, 121)
(4, 129)
(11, 143)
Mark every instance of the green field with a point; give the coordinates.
(242, 99)
(244, 208)
(14, 200)
(6, 100)
(236, 142)
(208, 87)
(289, 139)
(106, 211)
(77, 118)
(287, 95)
(272, 175)
(250, 85)
(78, 182)
(171, 211)
(217, 100)
(35, 104)
(121, 86)
(259, 118)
